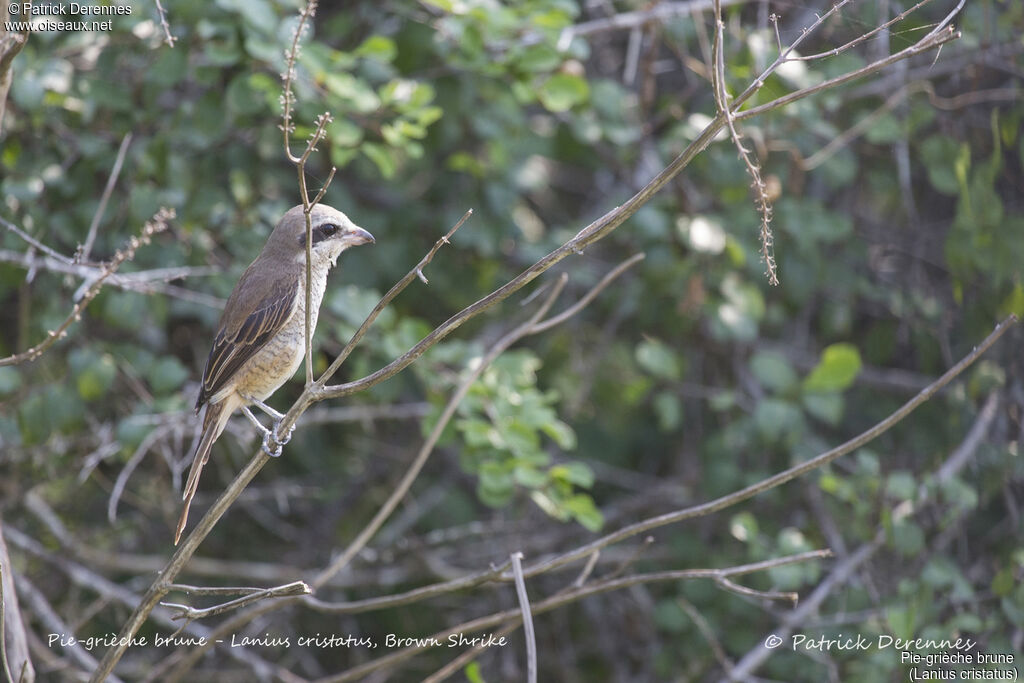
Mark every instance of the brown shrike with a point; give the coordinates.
(261, 339)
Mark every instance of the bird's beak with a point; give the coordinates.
(357, 236)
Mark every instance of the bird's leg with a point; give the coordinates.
(269, 434)
(265, 408)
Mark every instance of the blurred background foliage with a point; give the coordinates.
(899, 227)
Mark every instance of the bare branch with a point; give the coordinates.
(388, 298)
(452, 667)
(762, 199)
(189, 613)
(35, 243)
(16, 659)
(524, 607)
(144, 281)
(750, 592)
(168, 38)
(287, 95)
(11, 44)
(863, 37)
(155, 225)
(47, 616)
(661, 11)
(105, 197)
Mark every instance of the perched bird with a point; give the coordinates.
(261, 339)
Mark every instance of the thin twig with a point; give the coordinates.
(154, 436)
(105, 197)
(35, 243)
(524, 607)
(389, 297)
(168, 38)
(190, 614)
(54, 625)
(155, 225)
(861, 38)
(3, 622)
(762, 200)
(287, 95)
(705, 630)
(734, 587)
(588, 569)
(238, 484)
(661, 11)
(930, 42)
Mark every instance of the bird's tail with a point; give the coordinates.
(216, 417)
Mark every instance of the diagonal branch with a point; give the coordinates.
(397, 289)
(607, 223)
(784, 476)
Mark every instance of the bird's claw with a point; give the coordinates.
(272, 436)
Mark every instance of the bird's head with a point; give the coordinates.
(333, 233)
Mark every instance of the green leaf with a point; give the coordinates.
(495, 485)
(529, 476)
(93, 373)
(10, 380)
(658, 359)
(939, 154)
(839, 366)
(166, 375)
(773, 371)
(743, 527)
(539, 57)
(577, 473)
(241, 98)
(562, 92)
(669, 616)
(561, 433)
(1004, 581)
(381, 156)
(355, 92)
(901, 486)
(776, 419)
(906, 538)
(584, 511)
(381, 48)
(472, 670)
(827, 407)
(884, 130)
(669, 410)
(1013, 303)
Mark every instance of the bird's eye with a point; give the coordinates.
(329, 229)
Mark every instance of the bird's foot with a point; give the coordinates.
(271, 436)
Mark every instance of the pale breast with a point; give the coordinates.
(277, 361)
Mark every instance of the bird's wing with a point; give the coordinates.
(239, 338)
